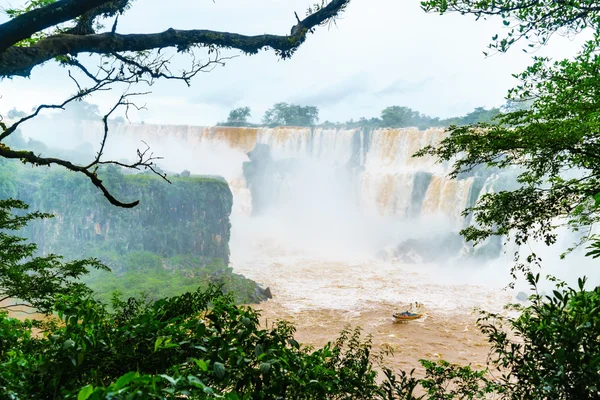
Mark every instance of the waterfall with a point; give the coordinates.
(347, 177)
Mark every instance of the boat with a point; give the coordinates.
(406, 316)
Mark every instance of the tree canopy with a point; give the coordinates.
(554, 141)
(239, 116)
(532, 20)
(291, 115)
(61, 31)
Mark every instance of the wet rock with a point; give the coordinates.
(522, 296)
(268, 293)
(265, 176)
(260, 295)
(433, 249)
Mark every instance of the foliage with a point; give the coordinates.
(30, 5)
(190, 216)
(552, 141)
(200, 345)
(284, 114)
(187, 348)
(176, 243)
(146, 274)
(238, 117)
(397, 116)
(534, 21)
(33, 282)
(478, 115)
(404, 117)
(552, 348)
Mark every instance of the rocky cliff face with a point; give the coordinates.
(189, 216)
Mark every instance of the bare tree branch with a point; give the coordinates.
(145, 159)
(159, 67)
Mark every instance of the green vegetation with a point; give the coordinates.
(404, 117)
(284, 114)
(190, 216)
(238, 117)
(553, 142)
(147, 275)
(557, 355)
(200, 345)
(32, 282)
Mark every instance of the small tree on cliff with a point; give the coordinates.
(291, 115)
(239, 116)
(398, 117)
(61, 31)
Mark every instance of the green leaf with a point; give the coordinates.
(219, 370)
(194, 381)
(258, 350)
(85, 392)
(158, 342)
(202, 365)
(265, 367)
(68, 344)
(125, 379)
(171, 380)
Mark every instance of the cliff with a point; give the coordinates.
(176, 240)
(189, 216)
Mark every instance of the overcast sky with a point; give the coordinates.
(382, 52)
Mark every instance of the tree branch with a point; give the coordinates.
(34, 21)
(30, 157)
(145, 160)
(21, 60)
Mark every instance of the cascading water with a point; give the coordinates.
(380, 162)
(322, 191)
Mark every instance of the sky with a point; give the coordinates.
(380, 53)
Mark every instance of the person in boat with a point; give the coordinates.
(409, 313)
(405, 314)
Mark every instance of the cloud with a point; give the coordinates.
(403, 86)
(342, 91)
(226, 98)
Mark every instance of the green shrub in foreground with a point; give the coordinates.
(201, 345)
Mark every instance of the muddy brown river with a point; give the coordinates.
(323, 296)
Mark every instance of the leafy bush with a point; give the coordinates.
(28, 281)
(552, 348)
(201, 345)
(146, 274)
